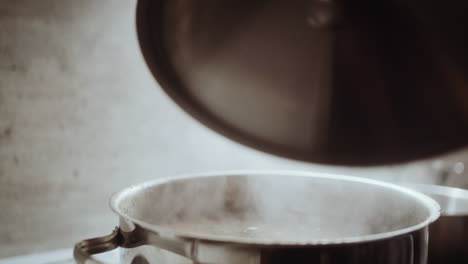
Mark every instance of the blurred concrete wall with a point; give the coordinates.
(81, 117)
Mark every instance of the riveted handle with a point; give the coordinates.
(84, 250)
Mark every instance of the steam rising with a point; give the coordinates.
(275, 208)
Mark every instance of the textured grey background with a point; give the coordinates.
(81, 117)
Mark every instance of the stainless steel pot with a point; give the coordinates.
(268, 217)
(449, 234)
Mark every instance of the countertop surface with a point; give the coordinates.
(60, 256)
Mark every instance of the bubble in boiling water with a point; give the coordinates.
(250, 230)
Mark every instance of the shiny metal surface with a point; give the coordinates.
(448, 241)
(409, 249)
(359, 220)
(335, 81)
(85, 248)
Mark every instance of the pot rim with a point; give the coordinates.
(431, 205)
(446, 191)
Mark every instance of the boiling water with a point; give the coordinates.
(232, 228)
(268, 208)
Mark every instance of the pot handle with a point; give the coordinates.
(84, 250)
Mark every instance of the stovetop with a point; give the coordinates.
(61, 256)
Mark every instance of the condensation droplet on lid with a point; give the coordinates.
(322, 13)
(459, 168)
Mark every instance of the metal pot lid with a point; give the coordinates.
(358, 82)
